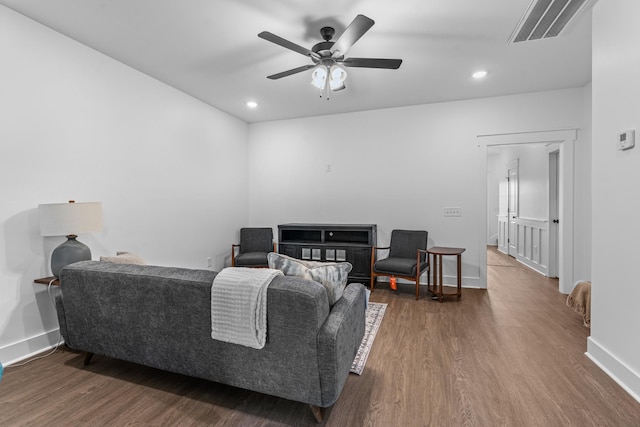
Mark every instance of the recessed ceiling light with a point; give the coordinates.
(479, 74)
(252, 104)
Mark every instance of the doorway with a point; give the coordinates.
(564, 140)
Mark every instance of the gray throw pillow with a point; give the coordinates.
(332, 275)
(123, 258)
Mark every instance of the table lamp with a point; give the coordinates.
(69, 219)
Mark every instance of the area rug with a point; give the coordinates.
(374, 315)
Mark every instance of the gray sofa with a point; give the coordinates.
(161, 317)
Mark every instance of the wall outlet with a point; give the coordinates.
(452, 211)
(209, 262)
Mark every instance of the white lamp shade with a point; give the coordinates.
(319, 76)
(338, 76)
(63, 219)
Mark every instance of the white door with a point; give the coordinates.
(503, 215)
(512, 177)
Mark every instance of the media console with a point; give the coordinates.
(331, 242)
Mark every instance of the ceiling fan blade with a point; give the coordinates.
(352, 34)
(287, 44)
(290, 72)
(391, 64)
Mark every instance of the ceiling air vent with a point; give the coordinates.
(546, 18)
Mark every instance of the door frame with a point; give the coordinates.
(565, 138)
(512, 206)
(554, 170)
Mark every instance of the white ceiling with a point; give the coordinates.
(210, 49)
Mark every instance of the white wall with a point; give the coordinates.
(397, 168)
(533, 178)
(533, 171)
(582, 194)
(75, 124)
(614, 341)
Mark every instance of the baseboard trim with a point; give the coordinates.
(467, 282)
(626, 377)
(538, 268)
(29, 347)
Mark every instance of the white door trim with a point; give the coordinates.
(513, 176)
(553, 152)
(566, 139)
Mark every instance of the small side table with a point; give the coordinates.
(46, 280)
(438, 252)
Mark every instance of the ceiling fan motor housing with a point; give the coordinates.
(323, 48)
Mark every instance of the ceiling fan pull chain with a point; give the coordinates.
(326, 85)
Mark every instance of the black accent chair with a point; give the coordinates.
(255, 244)
(407, 258)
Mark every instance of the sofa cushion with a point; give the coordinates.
(123, 258)
(332, 275)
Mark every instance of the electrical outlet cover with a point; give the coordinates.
(452, 211)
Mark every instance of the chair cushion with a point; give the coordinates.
(252, 259)
(401, 266)
(332, 275)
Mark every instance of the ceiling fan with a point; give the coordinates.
(328, 56)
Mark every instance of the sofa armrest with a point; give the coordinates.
(338, 341)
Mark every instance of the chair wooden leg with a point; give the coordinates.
(317, 412)
(233, 256)
(372, 280)
(418, 286)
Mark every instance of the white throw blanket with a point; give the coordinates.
(239, 305)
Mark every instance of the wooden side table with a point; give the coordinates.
(438, 252)
(46, 280)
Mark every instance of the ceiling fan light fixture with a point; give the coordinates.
(338, 76)
(319, 76)
(328, 56)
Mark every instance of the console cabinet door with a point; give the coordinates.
(360, 258)
(291, 250)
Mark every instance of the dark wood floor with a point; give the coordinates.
(512, 355)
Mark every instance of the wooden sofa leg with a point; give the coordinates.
(317, 412)
(87, 358)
